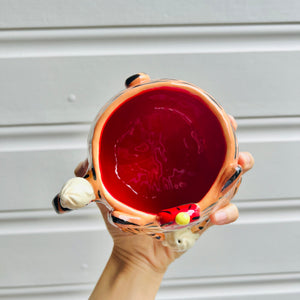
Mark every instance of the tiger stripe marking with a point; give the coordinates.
(121, 222)
(94, 173)
(238, 172)
(166, 212)
(57, 206)
(130, 79)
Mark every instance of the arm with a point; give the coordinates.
(138, 262)
(123, 279)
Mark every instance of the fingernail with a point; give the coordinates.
(220, 217)
(248, 159)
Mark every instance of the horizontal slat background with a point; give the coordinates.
(80, 247)
(46, 92)
(68, 82)
(258, 287)
(86, 13)
(58, 66)
(47, 155)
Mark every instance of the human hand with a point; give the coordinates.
(144, 251)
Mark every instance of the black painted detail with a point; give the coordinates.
(195, 218)
(178, 208)
(238, 171)
(166, 211)
(131, 79)
(170, 223)
(190, 206)
(211, 206)
(214, 100)
(86, 176)
(57, 206)
(157, 237)
(235, 190)
(94, 173)
(99, 195)
(137, 85)
(148, 224)
(200, 227)
(122, 222)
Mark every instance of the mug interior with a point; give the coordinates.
(161, 148)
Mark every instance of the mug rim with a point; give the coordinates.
(230, 152)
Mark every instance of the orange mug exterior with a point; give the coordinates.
(194, 216)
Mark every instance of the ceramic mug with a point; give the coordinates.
(162, 157)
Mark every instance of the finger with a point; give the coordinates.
(81, 168)
(246, 161)
(225, 215)
(233, 122)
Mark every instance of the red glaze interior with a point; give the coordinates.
(162, 148)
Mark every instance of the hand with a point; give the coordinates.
(144, 247)
(148, 255)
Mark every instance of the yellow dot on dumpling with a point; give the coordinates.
(182, 218)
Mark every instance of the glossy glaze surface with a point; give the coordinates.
(160, 149)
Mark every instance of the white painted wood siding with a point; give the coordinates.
(60, 61)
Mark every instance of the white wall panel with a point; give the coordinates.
(37, 90)
(242, 249)
(69, 292)
(47, 155)
(31, 177)
(258, 287)
(83, 13)
(275, 174)
(74, 249)
(249, 69)
(149, 40)
(74, 258)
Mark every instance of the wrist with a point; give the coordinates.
(142, 277)
(140, 261)
(127, 278)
